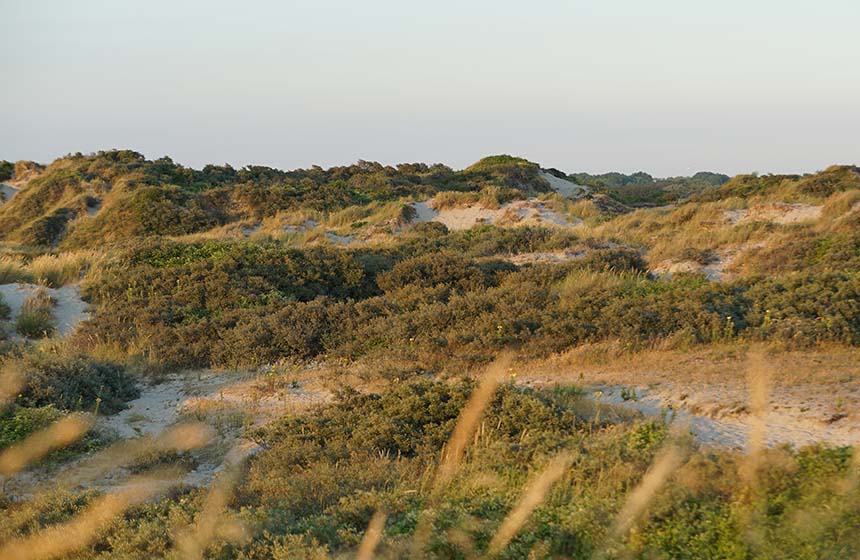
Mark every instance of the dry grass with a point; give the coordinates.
(36, 318)
(66, 268)
(11, 381)
(467, 421)
(759, 380)
(452, 452)
(372, 536)
(48, 270)
(184, 437)
(65, 538)
(665, 463)
(192, 542)
(56, 436)
(532, 497)
(14, 270)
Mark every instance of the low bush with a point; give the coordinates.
(321, 476)
(17, 423)
(73, 383)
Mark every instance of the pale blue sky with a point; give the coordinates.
(666, 86)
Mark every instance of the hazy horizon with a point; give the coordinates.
(668, 88)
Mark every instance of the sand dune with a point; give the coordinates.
(565, 188)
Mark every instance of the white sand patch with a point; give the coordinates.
(424, 212)
(248, 231)
(221, 400)
(299, 228)
(777, 213)
(518, 212)
(565, 188)
(716, 271)
(70, 310)
(552, 257)
(668, 268)
(339, 239)
(7, 192)
(791, 418)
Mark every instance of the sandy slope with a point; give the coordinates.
(551, 257)
(69, 310)
(518, 212)
(564, 187)
(712, 425)
(8, 191)
(813, 397)
(777, 213)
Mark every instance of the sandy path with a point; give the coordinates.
(732, 430)
(814, 395)
(228, 402)
(69, 311)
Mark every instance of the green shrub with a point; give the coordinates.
(7, 170)
(19, 422)
(74, 383)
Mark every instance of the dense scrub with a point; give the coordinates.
(132, 196)
(72, 383)
(834, 179)
(54, 386)
(425, 300)
(438, 298)
(643, 189)
(313, 491)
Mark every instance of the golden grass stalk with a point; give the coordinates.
(62, 269)
(759, 374)
(664, 464)
(759, 378)
(60, 540)
(372, 536)
(460, 438)
(179, 438)
(59, 434)
(852, 479)
(11, 381)
(468, 421)
(13, 270)
(532, 497)
(193, 542)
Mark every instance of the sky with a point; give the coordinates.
(670, 87)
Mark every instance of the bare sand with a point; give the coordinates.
(70, 310)
(228, 402)
(814, 397)
(565, 188)
(777, 213)
(519, 212)
(7, 192)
